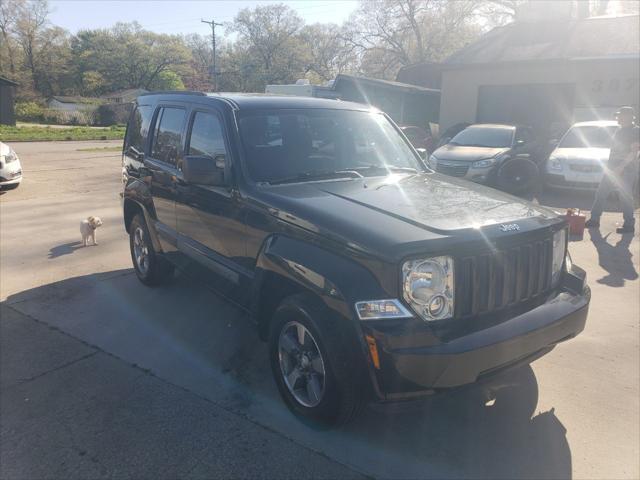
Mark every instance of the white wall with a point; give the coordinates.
(601, 83)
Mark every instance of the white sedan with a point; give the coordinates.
(10, 168)
(581, 156)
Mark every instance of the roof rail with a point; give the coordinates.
(177, 92)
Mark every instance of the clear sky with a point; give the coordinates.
(174, 16)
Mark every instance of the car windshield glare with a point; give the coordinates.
(588, 137)
(484, 137)
(289, 145)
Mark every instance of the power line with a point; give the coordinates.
(213, 48)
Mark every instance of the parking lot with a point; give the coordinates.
(103, 377)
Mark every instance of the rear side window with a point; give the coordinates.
(168, 132)
(138, 129)
(206, 135)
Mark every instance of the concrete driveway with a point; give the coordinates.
(575, 413)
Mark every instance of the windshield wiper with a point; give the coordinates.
(317, 175)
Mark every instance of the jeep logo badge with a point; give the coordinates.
(509, 227)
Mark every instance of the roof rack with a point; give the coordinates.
(177, 92)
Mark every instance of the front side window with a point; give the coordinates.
(484, 137)
(166, 140)
(291, 143)
(206, 136)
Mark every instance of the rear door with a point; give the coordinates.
(166, 149)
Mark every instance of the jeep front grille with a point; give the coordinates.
(503, 278)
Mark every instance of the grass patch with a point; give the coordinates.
(117, 148)
(39, 134)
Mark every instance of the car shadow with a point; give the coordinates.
(188, 336)
(615, 259)
(64, 249)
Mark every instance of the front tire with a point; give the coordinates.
(151, 269)
(517, 176)
(311, 366)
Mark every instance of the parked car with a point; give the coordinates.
(579, 159)
(419, 137)
(10, 168)
(504, 156)
(371, 277)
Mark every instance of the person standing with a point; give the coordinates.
(621, 172)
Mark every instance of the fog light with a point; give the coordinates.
(436, 305)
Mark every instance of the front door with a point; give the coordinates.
(209, 218)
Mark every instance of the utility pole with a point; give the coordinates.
(213, 49)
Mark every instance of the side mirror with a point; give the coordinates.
(423, 153)
(203, 170)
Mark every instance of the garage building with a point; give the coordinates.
(546, 75)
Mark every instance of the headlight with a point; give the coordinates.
(433, 161)
(11, 157)
(483, 163)
(427, 285)
(555, 164)
(559, 253)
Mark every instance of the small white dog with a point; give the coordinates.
(88, 228)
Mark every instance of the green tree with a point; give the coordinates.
(127, 56)
(167, 80)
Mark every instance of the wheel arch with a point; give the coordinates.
(131, 208)
(287, 266)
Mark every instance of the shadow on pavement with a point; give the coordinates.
(64, 249)
(615, 259)
(188, 336)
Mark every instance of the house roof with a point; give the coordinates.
(128, 92)
(596, 37)
(77, 99)
(6, 81)
(381, 83)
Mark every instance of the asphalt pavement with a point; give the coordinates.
(101, 376)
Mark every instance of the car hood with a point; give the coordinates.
(384, 212)
(467, 154)
(576, 154)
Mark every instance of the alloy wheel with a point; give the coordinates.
(301, 364)
(140, 251)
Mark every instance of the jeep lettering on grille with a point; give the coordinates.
(509, 227)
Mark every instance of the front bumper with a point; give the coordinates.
(410, 371)
(586, 182)
(11, 179)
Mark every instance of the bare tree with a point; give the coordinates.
(10, 11)
(391, 33)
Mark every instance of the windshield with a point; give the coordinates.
(484, 137)
(284, 145)
(588, 137)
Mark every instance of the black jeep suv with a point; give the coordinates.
(371, 277)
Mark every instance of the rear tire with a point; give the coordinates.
(312, 366)
(151, 269)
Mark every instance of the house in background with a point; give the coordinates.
(546, 69)
(406, 104)
(7, 101)
(73, 104)
(123, 96)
